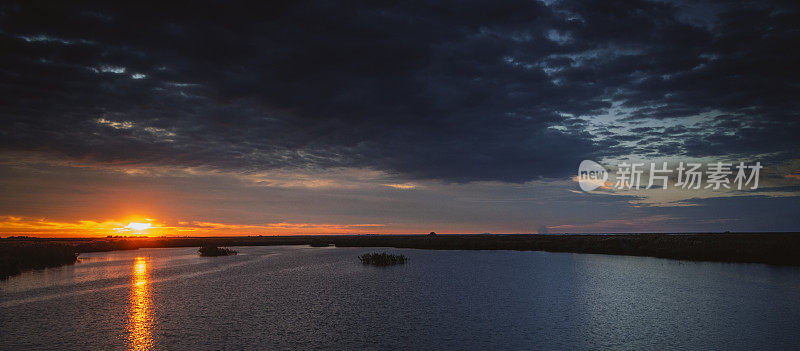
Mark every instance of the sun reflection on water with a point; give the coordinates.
(140, 322)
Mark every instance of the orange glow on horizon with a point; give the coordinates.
(141, 226)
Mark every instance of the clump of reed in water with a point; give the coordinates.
(382, 259)
(211, 251)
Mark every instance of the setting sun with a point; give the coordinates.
(138, 227)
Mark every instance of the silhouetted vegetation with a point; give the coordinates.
(212, 251)
(770, 248)
(18, 254)
(319, 243)
(432, 234)
(17, 258)
(382, 259)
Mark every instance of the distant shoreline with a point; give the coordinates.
(781, 249)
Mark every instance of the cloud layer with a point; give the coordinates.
(455, 91)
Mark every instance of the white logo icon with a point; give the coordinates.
(591, 175)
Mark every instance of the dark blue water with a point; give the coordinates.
(322, 298)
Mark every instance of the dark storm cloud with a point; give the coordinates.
(456, 91)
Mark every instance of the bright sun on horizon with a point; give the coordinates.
(138, 226)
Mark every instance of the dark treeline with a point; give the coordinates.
(769, 248)
(17, 255)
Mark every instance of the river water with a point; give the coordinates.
(292, 297)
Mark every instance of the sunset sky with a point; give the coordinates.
(454, 117)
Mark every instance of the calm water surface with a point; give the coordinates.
(304, 298)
